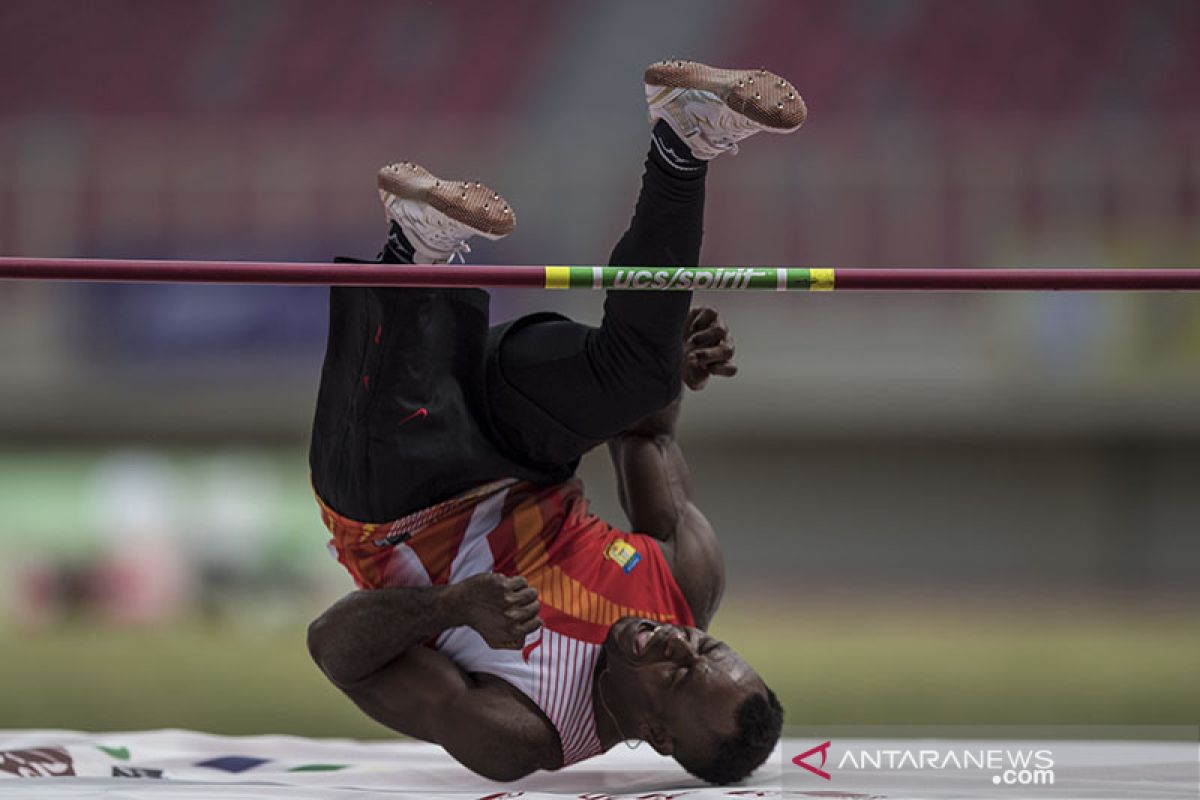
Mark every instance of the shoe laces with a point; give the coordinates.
(435, 232)
(701, 115)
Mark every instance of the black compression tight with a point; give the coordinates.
(600, 381)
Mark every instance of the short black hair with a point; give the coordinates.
(759, 723)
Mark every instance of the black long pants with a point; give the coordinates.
(420, 401)
(599, 381)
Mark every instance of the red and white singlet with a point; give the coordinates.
(587, 573)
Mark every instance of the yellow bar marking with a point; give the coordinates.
(820, 280)
(558, 277)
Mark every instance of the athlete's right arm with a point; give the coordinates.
(369, 644)
(367, 629)
(653, 483)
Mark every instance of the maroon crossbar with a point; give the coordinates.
(1018, 279)
(843, 279)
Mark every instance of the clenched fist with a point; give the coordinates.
(707, 348)
(501, 609)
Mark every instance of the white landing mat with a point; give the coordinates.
(152, 765)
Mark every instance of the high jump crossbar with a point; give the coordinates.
(595, 277)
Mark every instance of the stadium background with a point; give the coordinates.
(962, 508)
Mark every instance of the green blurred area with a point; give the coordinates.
(72, 502)
(883, 663)
(942, 652)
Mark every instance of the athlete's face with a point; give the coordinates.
(683, 684)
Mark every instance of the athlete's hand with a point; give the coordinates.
(707, 348)
(501, 609)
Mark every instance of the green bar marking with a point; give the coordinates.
(665, 279)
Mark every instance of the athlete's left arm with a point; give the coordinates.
(369, 645)
(653, 482)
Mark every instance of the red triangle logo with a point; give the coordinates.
(823, 749)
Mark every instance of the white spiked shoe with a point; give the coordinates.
(439, 216)
(712, 109)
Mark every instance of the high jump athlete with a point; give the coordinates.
(496, 616)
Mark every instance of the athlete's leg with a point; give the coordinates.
(396, 425)
(596, 382)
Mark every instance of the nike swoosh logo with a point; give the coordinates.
(420, 412)
(528, 649)
(671, 156)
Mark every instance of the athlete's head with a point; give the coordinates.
(690, 696)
